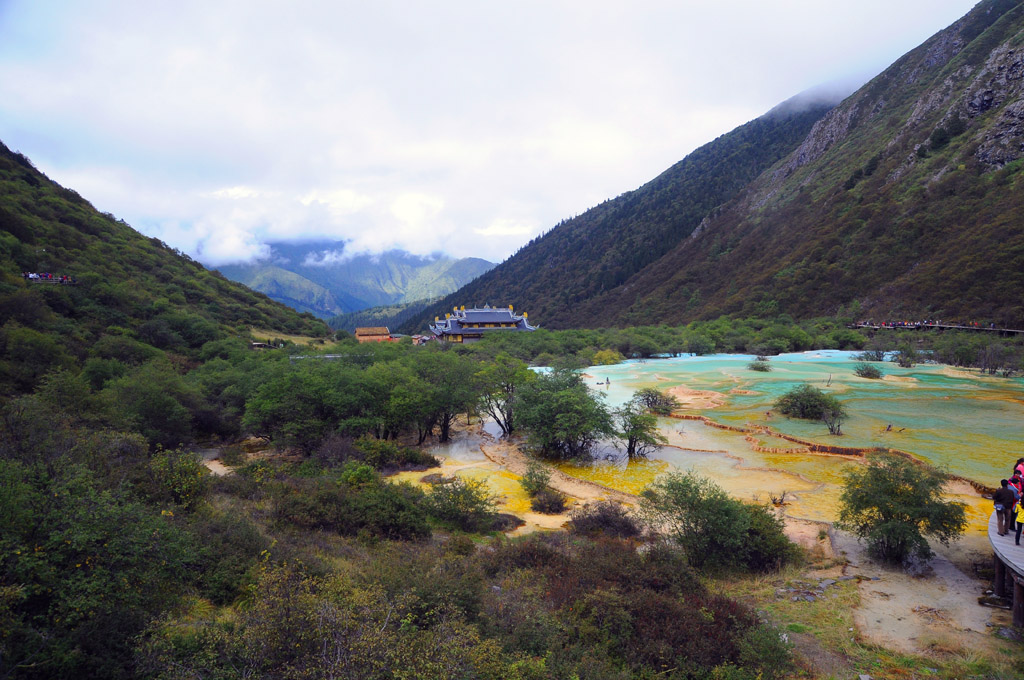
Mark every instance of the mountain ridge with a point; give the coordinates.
(627, 233)
(900, 202)
(320, 277)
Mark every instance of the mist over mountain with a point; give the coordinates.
(588, 256)
(904, 201)
(323, 278)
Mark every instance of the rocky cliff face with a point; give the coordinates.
(896, 163)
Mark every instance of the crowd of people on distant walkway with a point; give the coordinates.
(50, 277)
(1007, 502)
(927, 323)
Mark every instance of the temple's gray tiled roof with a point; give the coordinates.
(456, 324)
(488, 316)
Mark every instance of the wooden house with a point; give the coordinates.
(373, 334)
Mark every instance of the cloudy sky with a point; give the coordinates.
(465, 127)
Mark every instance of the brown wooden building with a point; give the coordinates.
(374, 334)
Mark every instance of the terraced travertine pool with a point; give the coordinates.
(972, 425)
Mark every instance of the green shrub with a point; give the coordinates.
(536, 478)
(604, 517)
(382, 455)
(230, 547)
(760, 364)
(548, 502)
(387, 455)
(714, 530)
(807, 401)
(179, 476)
(358, 474)
(866, 370)
(380, 509)
(464, 503)
(768, 547)
(655, 401)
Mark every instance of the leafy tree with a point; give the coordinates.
(397, 399)
(563, 419)
(810, 403)
(871, 354)
(606, 357)
(893, 504)
(500, 379)
(82, 571)
(156, 402)
(303, 404)
(906, 356)
(451, 383)
(638, 429)
(655, 401)
(700, 345)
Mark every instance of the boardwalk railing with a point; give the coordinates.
(933, 326)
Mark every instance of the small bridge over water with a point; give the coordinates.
(1009, 564)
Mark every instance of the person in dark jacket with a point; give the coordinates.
(1003, 501)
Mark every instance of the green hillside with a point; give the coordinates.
(135, 296)
(291, 289)
(905, 201)
(391, 316)
(321, 278)
(601, 249)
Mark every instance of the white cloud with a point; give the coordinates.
(326, 258)
(506, 227)
(235, 193)
(457, 126)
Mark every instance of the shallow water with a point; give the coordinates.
(971, 425)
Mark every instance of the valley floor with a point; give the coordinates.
(844, 613)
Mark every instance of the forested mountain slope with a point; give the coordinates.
(135, 296)
(320, 277)
(601, 249)
(906, 201)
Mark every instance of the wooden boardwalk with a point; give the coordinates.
(936, 326)
(1009, 565)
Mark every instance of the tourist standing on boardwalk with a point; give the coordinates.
(1003, 502)
(1016, 485)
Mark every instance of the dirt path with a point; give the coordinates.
(918, 612)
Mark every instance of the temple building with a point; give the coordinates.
(469, 325)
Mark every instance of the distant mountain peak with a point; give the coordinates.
(322, 277)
